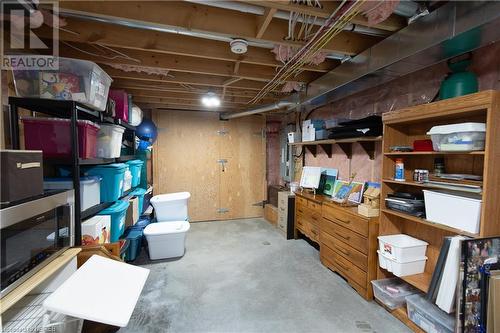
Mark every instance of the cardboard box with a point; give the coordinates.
(132, 212)
(308, 133)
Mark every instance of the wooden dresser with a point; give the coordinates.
(347, 240)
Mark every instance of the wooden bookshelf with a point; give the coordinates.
(402, 127)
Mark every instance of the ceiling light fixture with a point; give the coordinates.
(210, 100)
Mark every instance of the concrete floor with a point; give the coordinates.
(243, 276)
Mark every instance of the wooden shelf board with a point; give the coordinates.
(402, 315)
(424, 185)
(410, 153)
(324, 142)
(426, 222)
(33, 281)
(419, 281)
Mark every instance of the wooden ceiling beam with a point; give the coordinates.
(177, 63)
(183, 107)
(185, 102)
(263, 22)
(158, 92)
(392, 23)
(84, 31)
(196, 17)
(187, 95)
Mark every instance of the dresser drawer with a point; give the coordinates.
(314, 233)
(314, 206)
(354, 256)
(355, 240)
(301, 201)
(329, 263)
(314, 217)
(344, 267)
(301, 209)
(301, 223)
(345, 219)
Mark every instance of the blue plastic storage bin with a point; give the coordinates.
(112, 179)
(139, 193)
(135, 168)
(118, 210)
(135, 243)
(141, 223)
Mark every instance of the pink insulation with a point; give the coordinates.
(284, 53)
(413, 89)
(378, 11)
(140, 69)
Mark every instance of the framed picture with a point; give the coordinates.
(356, 194)
(310, 177)
(327, 182)
(341, 191)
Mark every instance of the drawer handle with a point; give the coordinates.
(281, 225)
(342, 250)
(314, 232)
(314, 218)
(343, 267)
(343, 221)
(344, 237)
(300, 210)
(299, 222)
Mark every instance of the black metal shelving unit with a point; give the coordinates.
(74, 111)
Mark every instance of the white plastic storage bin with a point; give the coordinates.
(401, 268)
(392, 292)
(166, 239)
(109, 141)
(458, 137)
(90, 189)
(428, 316)
(462, 211)
(76, 80)
(402, 247)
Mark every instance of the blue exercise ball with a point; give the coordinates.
(147, 131)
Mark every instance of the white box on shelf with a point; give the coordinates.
(401, 268)
(402, 247)
(109, 141)
(462, 211)
(458, 137)
(293, 137)
(308, 133)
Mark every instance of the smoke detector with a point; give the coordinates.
(239, 46)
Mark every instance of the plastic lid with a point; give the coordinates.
(135, 162)
(60, 120)
(118, 206)
(112, 165)
(455, 128)
(171, 196)
(133, 233)
(69, 179)
(162, 228)
(138, 191)
(115, 127)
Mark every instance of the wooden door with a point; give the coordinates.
(187, 157)
(184, 159)
(242, 180)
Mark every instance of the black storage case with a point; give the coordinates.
(21, 174)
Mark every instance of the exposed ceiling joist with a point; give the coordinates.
(393, 23)
(178, 63)
(194, 17)
(263, 22)
(111, 35)
(161, 95)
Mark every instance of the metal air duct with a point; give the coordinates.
(420, 45)
(260, 109)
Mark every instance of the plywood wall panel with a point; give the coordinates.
(185, 156)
